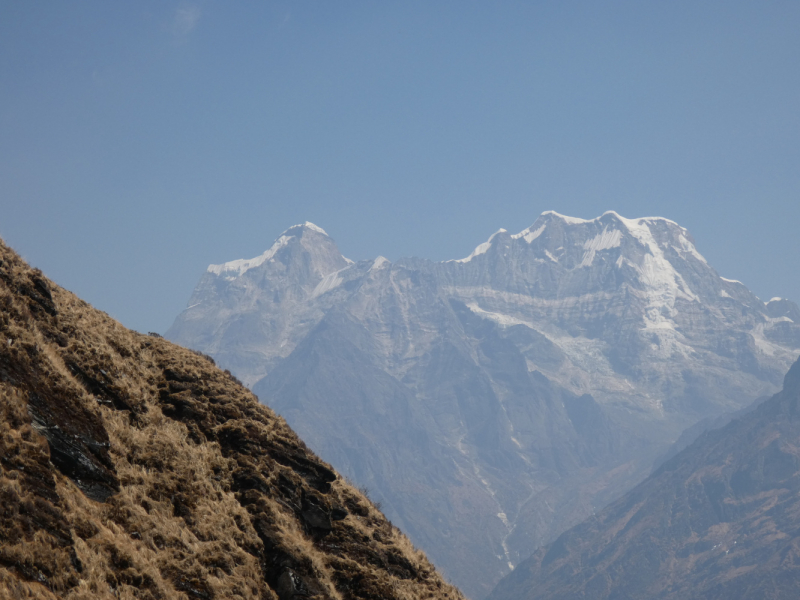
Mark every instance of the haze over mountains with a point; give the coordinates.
(492, 402)
(718, 521)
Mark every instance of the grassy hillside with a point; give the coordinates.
(134, 468)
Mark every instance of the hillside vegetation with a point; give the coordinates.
(133, 468)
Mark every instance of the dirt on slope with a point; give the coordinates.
(134, 468)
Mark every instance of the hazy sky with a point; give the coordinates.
(141, 141)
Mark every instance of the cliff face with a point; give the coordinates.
(133, 468)
(717, 521)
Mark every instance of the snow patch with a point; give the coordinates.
(781, 320)
(500, 319)
(653, 220)
(500, 515)
(603, 241)
(566, 219)
(379, 263)
(481, 249)
(307, 225)
(688, 248)
(576, 221)
(529, 235)
(329, 282)
(764, 345)
(775, 299)
(663, 284)
(312, 227)
(588, 355)
(236, 268)
(731, 280)
(550, 256)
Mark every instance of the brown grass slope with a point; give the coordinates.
(719, 521)
(133, 468)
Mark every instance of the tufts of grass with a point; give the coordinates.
(133, 468)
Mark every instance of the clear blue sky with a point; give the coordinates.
(141, 141)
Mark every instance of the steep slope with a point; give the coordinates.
(503, 397)
(719, 520)
(133, 468)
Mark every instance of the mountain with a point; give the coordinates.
(133, 468)
(690, 434)
(719, 520)
(492, 402)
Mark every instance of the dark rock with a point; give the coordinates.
(244, 480)
(101, 386)
(37, 290)
(290, 586)
(174, 375)
(318, 476)
(315, 514)
(78, 445)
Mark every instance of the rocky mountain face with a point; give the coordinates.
(492, 402)
(133, 468)
(717, 521)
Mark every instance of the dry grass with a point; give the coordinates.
(133, 468)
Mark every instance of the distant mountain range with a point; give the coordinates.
(492, 402)
(721, 520)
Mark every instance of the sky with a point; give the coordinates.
(142, 141)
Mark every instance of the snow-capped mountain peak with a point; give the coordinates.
(308, 225)
(295, 234)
